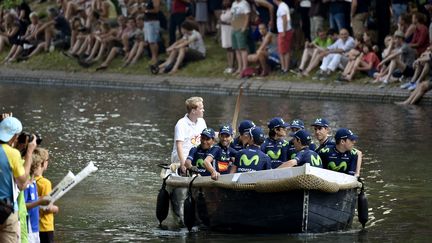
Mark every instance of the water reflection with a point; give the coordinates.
(127, 133)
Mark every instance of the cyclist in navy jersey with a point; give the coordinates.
(302, 140)
(295, 126)
(242, 140)
(322, 133)
(275, 145)
(221, 155)
(252, 158)
(198, 154)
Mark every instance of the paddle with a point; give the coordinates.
(237, 108)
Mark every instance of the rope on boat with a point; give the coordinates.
(301, 182)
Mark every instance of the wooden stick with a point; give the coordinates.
(237, 109)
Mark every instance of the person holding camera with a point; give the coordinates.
(12, 170)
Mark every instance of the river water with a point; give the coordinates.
(127, 133)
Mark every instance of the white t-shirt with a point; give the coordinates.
(188, 132)
(283, 10)
(241, 7)
(197, 41)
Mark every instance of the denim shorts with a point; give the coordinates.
(151, 31)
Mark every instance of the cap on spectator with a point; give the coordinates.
(399, 34)
(208, 132)
(320, 122)
(245, 126)
(297, 123)
(257, 135)
(303, 135)
(9, 127)
(226, 129)
(277, 122)
(343, 133)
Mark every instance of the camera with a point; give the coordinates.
(26, 137)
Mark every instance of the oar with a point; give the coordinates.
(237, 108)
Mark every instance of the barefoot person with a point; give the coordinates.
(187, 132)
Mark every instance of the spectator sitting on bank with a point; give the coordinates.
(83, 38)
(421, 70)
(420, 39)
(311, 49)
(401, 59)
(27, 42)
(334, 54)
(57, 32)
(267, 47)
(406, 26)
(189, 48)
(11, 31)
(383, 70)
(138, 43)
(367, 61)
(418, 93)
(120, 48)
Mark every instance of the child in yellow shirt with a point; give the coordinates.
(46, 215)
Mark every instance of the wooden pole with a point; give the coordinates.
(237, 109)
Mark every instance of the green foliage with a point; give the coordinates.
(8, 4)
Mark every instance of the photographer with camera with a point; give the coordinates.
(12, 170)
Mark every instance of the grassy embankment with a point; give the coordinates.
(212, 66)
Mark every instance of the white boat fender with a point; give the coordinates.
(189, 208)
(162, 203)
(362, 206)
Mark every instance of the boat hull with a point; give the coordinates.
(297, 211)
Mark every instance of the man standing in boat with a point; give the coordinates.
(198, 154)
(221, 156)
(187, 131)
(275, 145)
(342, 157)
(252, 158)
(301, 141)
(322, 133)
(243, 139)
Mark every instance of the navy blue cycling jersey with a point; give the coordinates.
(237, 145)
(308, 156)
(332, 159)
(222, 158)
(276, 150)
(197, 156)
(291, 151)
(252, 159)
(328, 142)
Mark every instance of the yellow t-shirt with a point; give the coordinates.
(15, 161)
(46, 220)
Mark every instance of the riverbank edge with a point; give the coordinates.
(332, 91)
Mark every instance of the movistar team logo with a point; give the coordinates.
(274, 155)
(200, 163)
(316, 160)
(325, 150)
(318, 120)
(244, 160)
(296, 123)
(353, 151)
(341, 167)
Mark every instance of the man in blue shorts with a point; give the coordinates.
(252, 158)
(242, 140)
(322, 130)
(275, 145)
(341, 157)
(221, 155)
(302, 140)
(198, 154)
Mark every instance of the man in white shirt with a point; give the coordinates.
(283, 23)
(188, 130)
(335, 53)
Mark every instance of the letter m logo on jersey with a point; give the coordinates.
(316, 161)
(200, 163)
(244, 160)
(274, 155)
(341, 167)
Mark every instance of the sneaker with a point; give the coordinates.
(228, 70)
(324, 76)
(412, 87)
(318, 75)
(406, 85)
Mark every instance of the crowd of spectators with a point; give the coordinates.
(388, 40)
